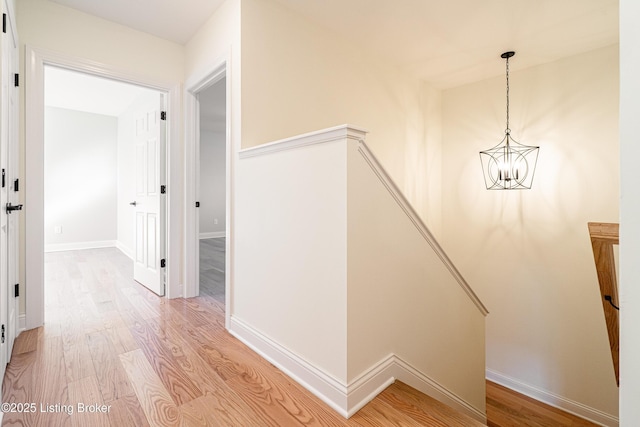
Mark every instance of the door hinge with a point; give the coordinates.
(16, 79)
(163, 115)
(16, 290)
(4, 22)
(2, 334)
(163, 189)
(163, 263)
(197, 204)
(3, 178)
(16, 185)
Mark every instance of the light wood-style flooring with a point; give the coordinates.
(149, 361)
(506, 408)
(157, 362)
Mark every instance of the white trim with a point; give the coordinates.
(212, 235)
(347, 399)
(418, 380)
(124, 249)
(195, 84)
(36, 59)
(325, 386)
(74, 246)
(317, 137)
(22, 322)
(354, 133)
(576, 408)
(413, 216)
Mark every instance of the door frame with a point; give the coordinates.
(195, 85)
(36, 59)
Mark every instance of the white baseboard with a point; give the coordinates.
(58, 247)
(22, 323)
(347, 399)
(568, 405)
(124, 249)
(418, 380)
(329, 389)
(212, 235)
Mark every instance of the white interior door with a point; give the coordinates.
(149, 202)
(4, 200)
(9, 238)
(13, 173)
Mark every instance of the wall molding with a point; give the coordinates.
(353, 133)
(212, 235)
(317, 137)
(552, 399)
(347, 399)
(413, 216)
(74, 246)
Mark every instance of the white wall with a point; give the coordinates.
(212, 183)
(528, 253)
(48, 25)
(80, 184)
(629, 213)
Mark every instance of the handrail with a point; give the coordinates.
(603, 237)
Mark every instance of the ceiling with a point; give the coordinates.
(175, 20)
(84, 92)
(447, 43)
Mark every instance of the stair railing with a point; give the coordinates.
(603, 237)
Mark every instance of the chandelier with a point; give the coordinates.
(509, 165)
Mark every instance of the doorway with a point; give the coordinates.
(196, 91)
(212, 191)
(104, 165)
(37, 59)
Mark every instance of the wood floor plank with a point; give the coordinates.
(18, 385)
(126, 411)
(223, 402)
(155, 400)
(198, 413)
(112, 379)
(178, 384)
(78, 361)
(90, 409)
(49, 378)
(122, 340)
(145, 309)
(380, 414)
(506, 408)
(26, 342)
(417, 404)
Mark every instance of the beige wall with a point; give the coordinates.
(402, 299)
(317, 80)
(217, 39)
(528, 253)
(48, 25)
(629, 213)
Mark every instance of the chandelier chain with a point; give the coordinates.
(507, 131)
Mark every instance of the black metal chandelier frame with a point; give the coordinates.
(509, 165)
